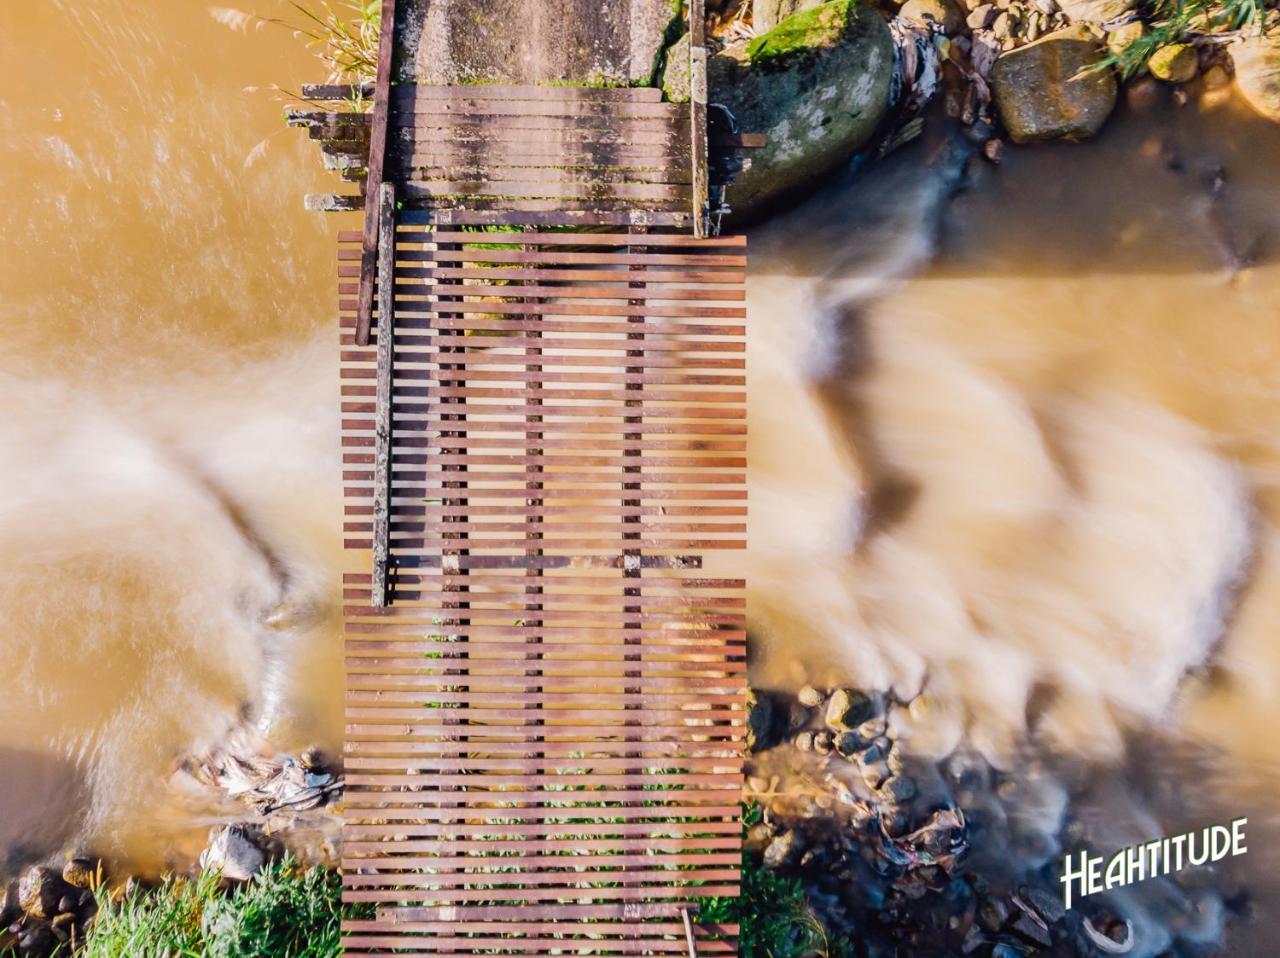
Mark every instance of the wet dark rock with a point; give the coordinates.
(1006, 949)
(848, 744)
(822, 742)
(39, 940)
(39, 891)
(848, 708)
(992, 914)
(898, 789)
(797, 716)
(1031, 929)
(10, 910)
(784, 850)
(762, 721)
(1046, 903)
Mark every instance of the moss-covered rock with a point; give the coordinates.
(1051, 89)
(1174, 63)
(767, 14)
(817, 85)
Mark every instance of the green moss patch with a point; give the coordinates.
(809, 29)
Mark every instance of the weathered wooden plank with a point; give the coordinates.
(377, 153)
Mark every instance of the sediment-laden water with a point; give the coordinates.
(1015, 447)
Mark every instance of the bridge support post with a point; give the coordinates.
(382, 415)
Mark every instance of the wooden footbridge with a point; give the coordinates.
(543, 430)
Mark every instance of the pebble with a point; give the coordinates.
(847, 709)
(804, 741)
(848, 744)
(757, 784)
(810, 696)
(981, 17)
(993, 150)
(875, 774)
(79, 873)
(784, 850)
(898, 789)
(822, 742)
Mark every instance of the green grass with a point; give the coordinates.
(294, 912)
(286, 912)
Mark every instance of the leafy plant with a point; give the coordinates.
(1178, 21)
(347, 42)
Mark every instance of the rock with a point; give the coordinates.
(39, 891)
(992, 914)
(804, 741)
(80, 873)
(762, 720)
(848, 709)
(767, 14)
(898, 789)
(797, 716)
(873, 728)
(942, 12)
(784, 850)
(234, 851)
(1094, 11)
(874, 774)
(822, 742)
(1142, 94)
(981, 17)
(1257, 63)
(757, 784)
(817, 85)
(848, 744)
(1048, 904)
(1006, 950)
(810, 697)
(1042, 93)
(1000, 27)
(874, 752)
(10, 910)
(1119, 39)
(993, 150)
(38, 941)
(1174, 63)
(1029, 929)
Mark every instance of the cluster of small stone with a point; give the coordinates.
(45, 909)
(883, 843)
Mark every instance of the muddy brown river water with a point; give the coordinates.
(1019, 449)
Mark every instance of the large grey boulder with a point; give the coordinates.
(1257, 63)
(1048, 91)
(817, 85)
